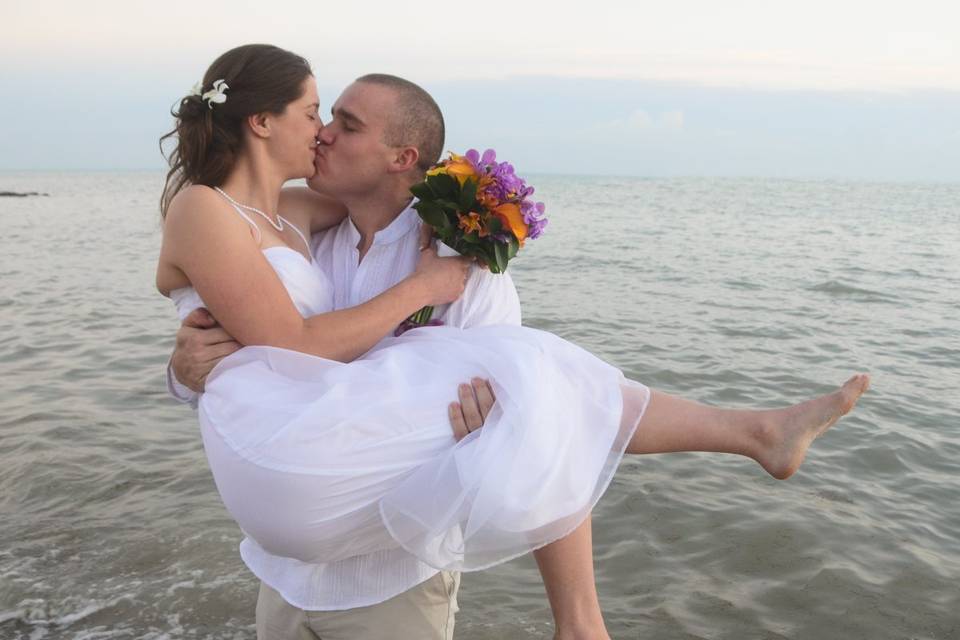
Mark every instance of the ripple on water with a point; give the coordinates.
(839, 289)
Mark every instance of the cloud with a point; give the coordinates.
(593, 126)
(639, 120)
(671, 120)
(642, 121)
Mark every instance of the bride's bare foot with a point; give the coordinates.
(785, 435)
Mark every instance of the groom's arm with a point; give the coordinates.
(201, 343)
(489, 299)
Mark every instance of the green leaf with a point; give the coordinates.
(452, 208)
(512, 248)
(494, 225)
(500, 255)
(447, 234)
(422, 191)
(468, 196)
(473, 250)
(479, 251)
(432, 214)
(444, 186)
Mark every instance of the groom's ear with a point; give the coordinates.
(259, 124)
(405, 159)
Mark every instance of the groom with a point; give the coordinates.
(385, 133)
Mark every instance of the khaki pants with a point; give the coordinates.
(424, 612)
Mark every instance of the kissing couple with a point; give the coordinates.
(367, 470)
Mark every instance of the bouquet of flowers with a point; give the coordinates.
(478, 207)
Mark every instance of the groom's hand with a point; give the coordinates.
(468, 415)
(201, 344)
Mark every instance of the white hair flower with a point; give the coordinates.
(197, 90)
(216, 95)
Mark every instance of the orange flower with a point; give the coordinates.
(510, 216)
(484, 196)
(470, 222)
(460, 168)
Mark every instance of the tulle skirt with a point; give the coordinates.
(320, 460)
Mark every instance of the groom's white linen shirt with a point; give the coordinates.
(488, 299)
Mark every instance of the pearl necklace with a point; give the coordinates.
(276, 225)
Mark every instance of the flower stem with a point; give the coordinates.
(423, 316)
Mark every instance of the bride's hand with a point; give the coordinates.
(443, 278)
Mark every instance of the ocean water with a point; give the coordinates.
(737, 292)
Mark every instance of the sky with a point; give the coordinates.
(844, 89)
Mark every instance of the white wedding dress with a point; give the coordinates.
(322, 461)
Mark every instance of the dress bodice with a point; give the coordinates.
(308, 286)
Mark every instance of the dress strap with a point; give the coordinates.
(245, 217)
(299, 233)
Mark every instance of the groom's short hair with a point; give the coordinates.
(417, 121)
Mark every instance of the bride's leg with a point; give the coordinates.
(776, 438)
(567, 570)
(565, 565)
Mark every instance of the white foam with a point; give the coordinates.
(39, 633)
(41, 613)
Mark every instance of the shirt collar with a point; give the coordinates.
(405, 222)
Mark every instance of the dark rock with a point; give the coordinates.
(20, 194)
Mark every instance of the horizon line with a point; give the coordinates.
(551, 174)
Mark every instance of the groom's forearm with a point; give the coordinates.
(179, 391)
(200, 345)
(489, 299)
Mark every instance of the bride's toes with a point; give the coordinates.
(801, 424)
(852, 389)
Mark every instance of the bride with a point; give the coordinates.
(329, 444)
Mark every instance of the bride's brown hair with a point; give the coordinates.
(208, 137)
